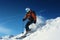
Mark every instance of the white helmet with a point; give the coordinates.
(27, 9)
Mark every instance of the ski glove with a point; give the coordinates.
(24, 19)
(35, 21)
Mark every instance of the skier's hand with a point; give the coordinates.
(23, 19)
(35, 21)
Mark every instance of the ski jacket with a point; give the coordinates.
(31, 16)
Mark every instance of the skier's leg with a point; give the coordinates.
(27, 25)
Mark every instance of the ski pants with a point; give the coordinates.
(27, 25)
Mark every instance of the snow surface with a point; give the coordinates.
(42, 30)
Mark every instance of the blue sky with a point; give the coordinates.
(13, 11)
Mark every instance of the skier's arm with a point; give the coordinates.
(34, 17)
(35, 20)
(25, 17)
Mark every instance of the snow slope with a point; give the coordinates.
(50, 31)
(43, 30)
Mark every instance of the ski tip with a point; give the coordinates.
(21, 37)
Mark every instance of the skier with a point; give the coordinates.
(31, 16)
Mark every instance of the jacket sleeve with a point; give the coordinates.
(26, 16)
(34, 17)
(35, 20)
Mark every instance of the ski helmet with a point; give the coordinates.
(27, 9)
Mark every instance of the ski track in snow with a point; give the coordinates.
(43, 30)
